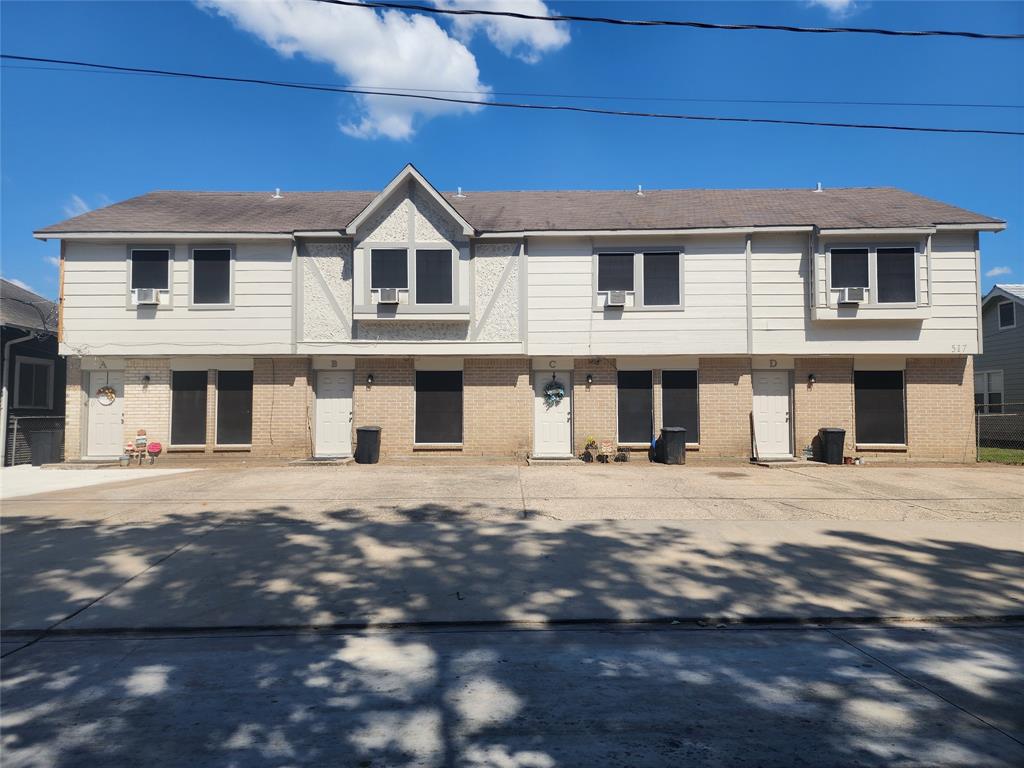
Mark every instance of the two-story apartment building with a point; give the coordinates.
(514, 323)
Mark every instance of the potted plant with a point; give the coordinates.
(591, 449)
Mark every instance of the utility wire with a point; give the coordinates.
(373, 4)
(384, 89)
(515, 105)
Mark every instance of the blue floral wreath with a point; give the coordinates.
(554, 391)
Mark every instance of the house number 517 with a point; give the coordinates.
(959, 348)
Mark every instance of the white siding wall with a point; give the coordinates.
(98, 322)
(562, 320)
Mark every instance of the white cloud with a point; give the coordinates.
(838, 8)
(20, 284)
(526, 40)
(390, 49)
(76, 206)
(53, 261)
(998, 272)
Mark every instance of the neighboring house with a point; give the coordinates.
(999, 371)
(33, 374)
(511, 323)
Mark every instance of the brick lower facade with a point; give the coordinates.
(498, 405)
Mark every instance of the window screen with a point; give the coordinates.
(849, 268)
(34, 384)
(234, 407)
(988, 392)
(878, 404)
(896, 276)
(438, 406)
(149, 269)
(389, 268)
(661, 279)
(434, 277)
(615, 271)
(211, 276)
(1007, 315)
(679, 405)
(188, 408)
(636, 407)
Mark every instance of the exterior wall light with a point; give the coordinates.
(369, 378)
(811, 378)
(145, 381)
(590, 379)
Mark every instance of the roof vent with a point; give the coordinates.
(639, 190)
(277, 194)
(818, 188)
(459, 194)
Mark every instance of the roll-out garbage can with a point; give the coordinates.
(832, 440)
(367, 445)
(674, 441)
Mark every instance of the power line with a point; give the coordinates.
(515, 105)
(373, 4)
(384, 89)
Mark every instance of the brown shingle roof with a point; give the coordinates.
(258, 212)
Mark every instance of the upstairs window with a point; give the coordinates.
(615, 271)
(849, 267)
(896, 278)
(1007, 315)
(889, 274)
(661, 279)
(389, 268)
(434, 276)
(211, 276)
(33, 383)
(150, 268)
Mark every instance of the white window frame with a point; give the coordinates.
(17, 383)
(168, 293)
(986, 374)
(192, 304)
(872, 286)
(639, 304)
(999, 316)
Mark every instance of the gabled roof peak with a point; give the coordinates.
(409, 174)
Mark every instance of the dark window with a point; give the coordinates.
(679, 404)
(188, 408)
(149, 269)
(438, 406)
(636, 407)
(389, 268)
(849, 268)
(234, 407)
(1007, 315)
(661, 279)
(896, 278)
(211, 276)
(433, 277)
(34, 383)
(615, 271)
(878, 404)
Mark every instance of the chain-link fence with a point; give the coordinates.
(35, 439)
(1000, 430)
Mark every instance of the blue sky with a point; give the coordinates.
(75, 141)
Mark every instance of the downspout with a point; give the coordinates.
(5, 396)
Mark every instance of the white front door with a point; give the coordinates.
(105, 427)
(333, 413)
(552, 421)
(771, 414)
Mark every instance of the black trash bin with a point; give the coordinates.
(367, 445)
(832, 439)
(44, 445)
(674, 441)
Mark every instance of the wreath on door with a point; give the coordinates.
(106, 395)
(554, 391)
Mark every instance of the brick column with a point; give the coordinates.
(386, 403)
(147, 405)
(826, 403)
(726, 400)
(595, 406)
(497, 406)
(73, 407)
(211, 409)
(281, 407)
(940, 408)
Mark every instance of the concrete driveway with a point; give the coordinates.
(354, 545)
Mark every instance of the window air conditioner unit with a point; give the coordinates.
(147, 296)
(388, 296)
(616, 299)
(851, 295)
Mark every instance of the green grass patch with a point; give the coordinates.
(1001, 455)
